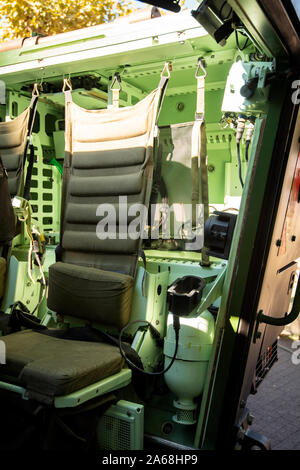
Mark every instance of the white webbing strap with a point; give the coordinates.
(199, 149)
(67, 90)
(114, 92)
(200, 96)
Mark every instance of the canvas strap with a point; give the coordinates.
(33, 106)
(199, 149)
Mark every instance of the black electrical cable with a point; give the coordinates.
(247, 150)
(176, 326)
(43, 280)
(240, 163)
(237, 42)
(221, 11)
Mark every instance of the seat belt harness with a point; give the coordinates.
(29, 143)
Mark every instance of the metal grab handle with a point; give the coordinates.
(288, 318)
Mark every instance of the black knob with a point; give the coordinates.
(247, 90)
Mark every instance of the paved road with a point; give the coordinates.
(276, 405)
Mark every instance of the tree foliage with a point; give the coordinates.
(21, 18)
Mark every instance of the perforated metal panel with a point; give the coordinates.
(45, 187)
(45, 192)
(121, 427)
(265, 362)
(185, 416)
(116, 433)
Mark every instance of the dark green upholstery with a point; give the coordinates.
(49, 367)
(107, 291)
(89, 186)
(12, 146)
(93, 279)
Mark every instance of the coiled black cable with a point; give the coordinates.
(176, 326)
(221, 11)
(238, 44)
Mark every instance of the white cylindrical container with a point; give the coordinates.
(186, 377)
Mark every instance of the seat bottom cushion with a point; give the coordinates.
(51, 367)
(92, 294)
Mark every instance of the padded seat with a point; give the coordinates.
(107, 178)
(48, 367)
(106, 294)
(108, 159)
(12, 146)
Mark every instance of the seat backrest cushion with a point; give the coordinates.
(108, 166)
(12, 147)
(108, 155)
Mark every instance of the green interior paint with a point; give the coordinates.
(139, 57)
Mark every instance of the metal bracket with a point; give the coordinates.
(211, 293)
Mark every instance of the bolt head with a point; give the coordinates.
(250, 419)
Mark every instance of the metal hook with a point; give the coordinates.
(67, 83)
(35, 91)
(117, 80)
(167, 68)
(200, 65)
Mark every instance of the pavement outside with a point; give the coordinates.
(276, 405)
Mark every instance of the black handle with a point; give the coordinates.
(288, 318)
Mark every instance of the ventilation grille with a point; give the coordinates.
(265, 362)
(116, 434)
(185, 416)
(121, 427)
